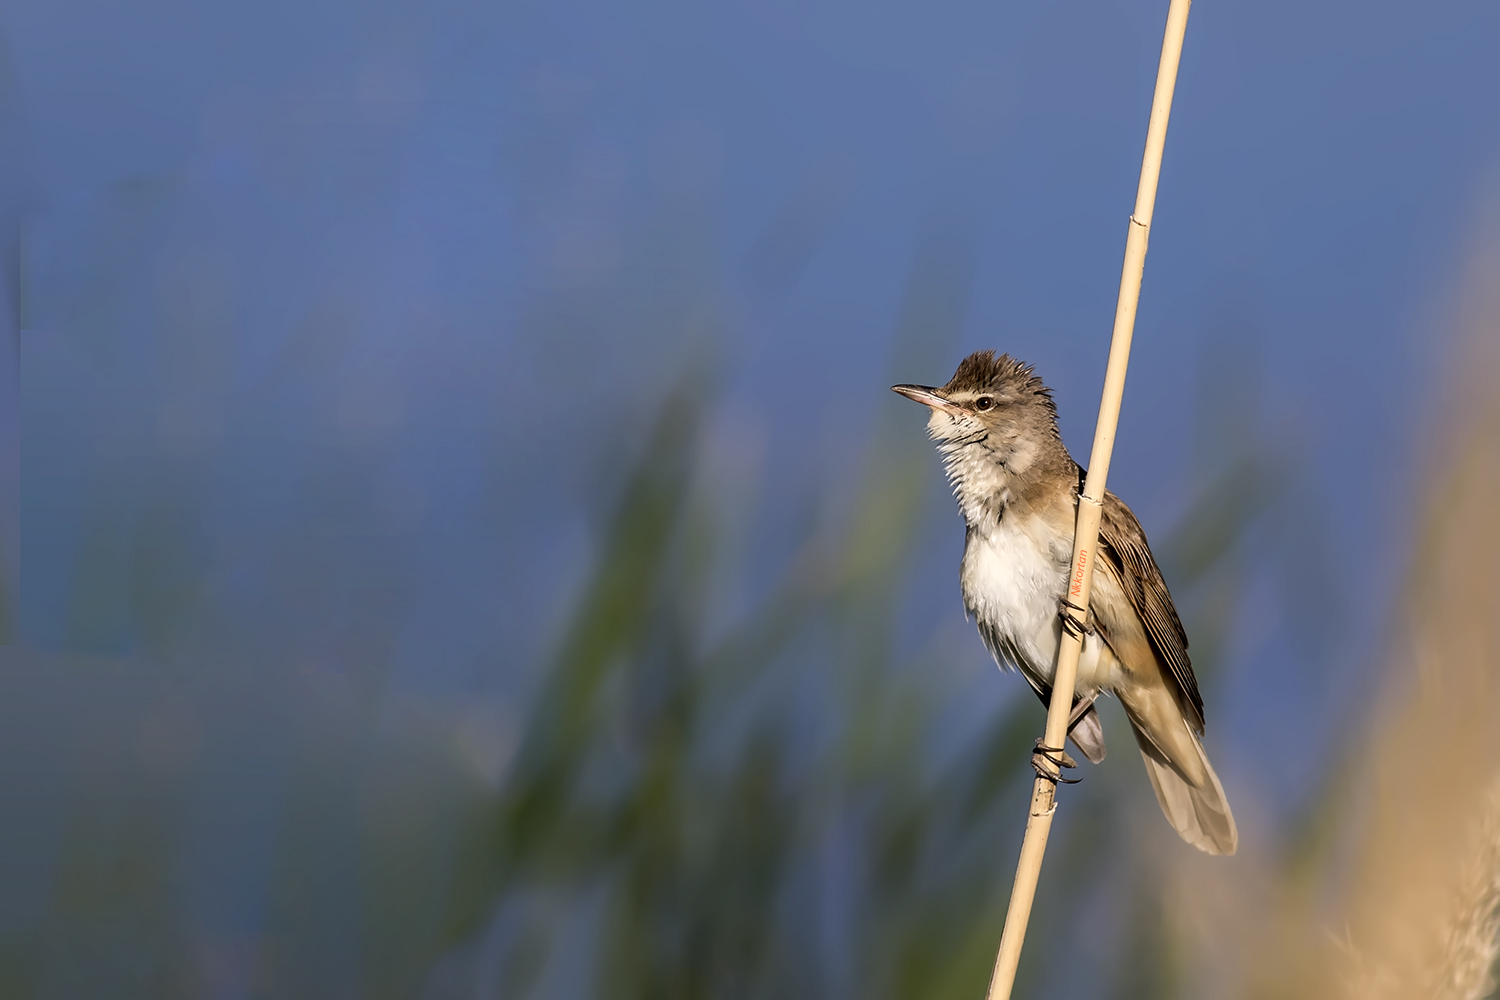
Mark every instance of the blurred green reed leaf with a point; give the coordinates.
(608, 785)
(141, 565)
(537, 824)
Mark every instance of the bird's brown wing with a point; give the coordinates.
(1122, 544)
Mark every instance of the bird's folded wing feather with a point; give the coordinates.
(1127, 557)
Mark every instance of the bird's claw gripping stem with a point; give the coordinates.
(1058, 758)
(1077, 625)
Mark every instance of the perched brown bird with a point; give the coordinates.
(996, 427)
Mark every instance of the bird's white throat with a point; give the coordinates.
(982, 463)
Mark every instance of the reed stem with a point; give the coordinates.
(1086, 533)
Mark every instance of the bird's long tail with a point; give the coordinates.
(1200, 814)
(1184, 781)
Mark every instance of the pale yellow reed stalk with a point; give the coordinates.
(1086, 533)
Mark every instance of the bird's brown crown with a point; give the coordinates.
(982, 371)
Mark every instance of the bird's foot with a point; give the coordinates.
(1076, 621)
(1058, 758)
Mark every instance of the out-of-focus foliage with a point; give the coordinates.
(773, 808)
(663, 788)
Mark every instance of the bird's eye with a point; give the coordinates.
(984, 403)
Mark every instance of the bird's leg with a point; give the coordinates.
(1081, 709)
(1058, 758)
(1078, 625)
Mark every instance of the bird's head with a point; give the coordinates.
(993, 421)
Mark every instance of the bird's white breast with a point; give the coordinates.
(1013, 574)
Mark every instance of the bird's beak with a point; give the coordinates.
(927, 396)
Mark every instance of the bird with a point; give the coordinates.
(1017, 487)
